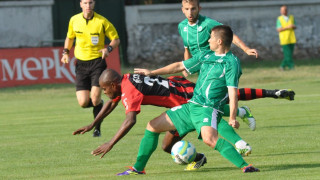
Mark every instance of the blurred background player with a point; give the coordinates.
(90, 30)
(286, 26)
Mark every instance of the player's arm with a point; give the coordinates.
(67, 46)
(233, 103)
(238, 42)
(186, 55)
(170, 69)
(129, 122)
(107, 108)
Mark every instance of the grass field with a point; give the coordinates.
(37, 142)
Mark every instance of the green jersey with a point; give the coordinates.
(216, 73)
(195, 37)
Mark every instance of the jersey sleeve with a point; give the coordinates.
(233, 73)
(180, 30)
(193, 65)
(131, 97)
(213, 23)
(71, 34)
(110, 30)
(117, 99)
(278, 23)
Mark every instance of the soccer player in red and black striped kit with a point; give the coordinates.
(135, 90)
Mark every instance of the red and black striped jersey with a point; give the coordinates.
(140, 90)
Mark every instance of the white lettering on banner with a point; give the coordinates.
(22, 69)
(27, 68)
(6, 68)
(46, 66)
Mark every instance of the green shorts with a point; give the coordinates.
(189, 117)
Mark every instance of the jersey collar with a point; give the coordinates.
(90, 18)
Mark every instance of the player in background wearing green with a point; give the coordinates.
(89, 29)
(286, 26)
(195, 32)
(219, 72)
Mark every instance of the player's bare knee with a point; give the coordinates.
(210, 142)
(83, 104)
(96, 101)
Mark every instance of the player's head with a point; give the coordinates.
(110, 82)
(284, 10)
(221, 36)
(190, 9)
(87, 6)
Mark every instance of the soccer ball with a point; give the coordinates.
(183, 152)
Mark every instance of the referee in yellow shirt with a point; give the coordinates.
(90, 30)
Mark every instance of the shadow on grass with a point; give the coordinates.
(290, 153)
(287, 167)
(263, 168)
(290, 126)
(276, 63)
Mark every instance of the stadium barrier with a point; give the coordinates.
(29, 66)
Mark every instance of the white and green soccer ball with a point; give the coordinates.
(183, 152)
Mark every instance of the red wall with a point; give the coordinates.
(27, 66)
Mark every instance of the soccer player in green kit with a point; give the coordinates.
(219, 72)
(195, 31)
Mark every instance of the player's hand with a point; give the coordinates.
(142, 71)
(105, 52)
(234, 123)
(185, 74)
(65, 59)
(83, 130)
(103, 149)
(252, 52)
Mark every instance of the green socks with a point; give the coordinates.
(230, 153)
(227, 132)
(147, 146)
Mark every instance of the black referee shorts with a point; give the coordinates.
(88, 73)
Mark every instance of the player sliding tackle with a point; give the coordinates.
(169, 92)
(136, 90)
(219, 72)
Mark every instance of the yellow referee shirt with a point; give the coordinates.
(287, 36)
(90, 35)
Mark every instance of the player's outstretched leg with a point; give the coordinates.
(247, 117)
(251, 93)
(96, 110)
(285, 94)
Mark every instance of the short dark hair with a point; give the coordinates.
(225, 33)
(110, 76)
(189, 1)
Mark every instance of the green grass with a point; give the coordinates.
(37, 142)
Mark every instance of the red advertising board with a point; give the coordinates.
(27, 66)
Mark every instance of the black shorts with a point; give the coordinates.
(88, 73)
